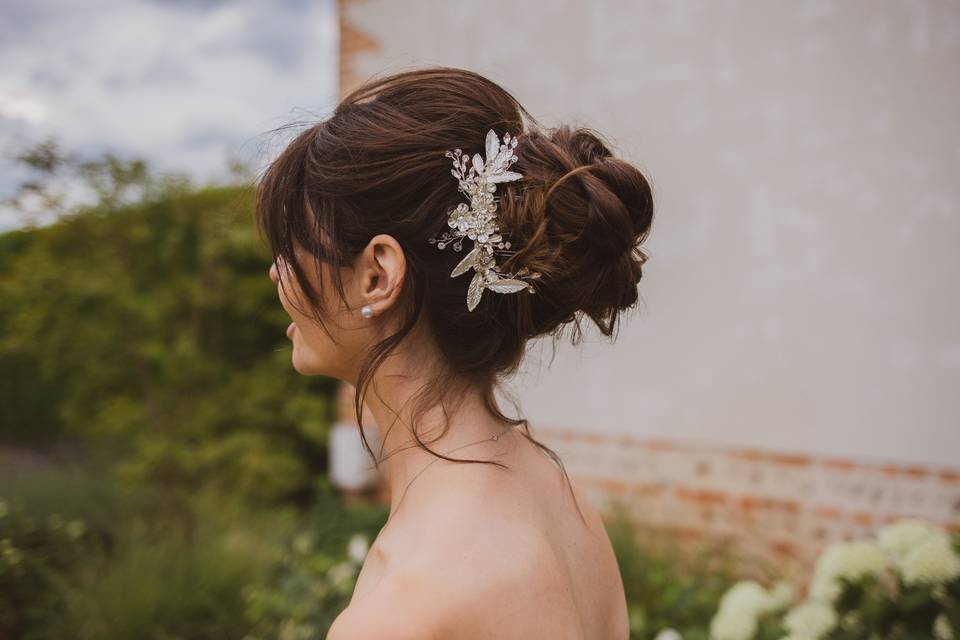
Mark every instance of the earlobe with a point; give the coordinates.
(383, 281)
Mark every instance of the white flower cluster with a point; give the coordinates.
(809, 620)
(851, 560)
(923, 554)
(942, 629)
(742, 605)
(918, 551)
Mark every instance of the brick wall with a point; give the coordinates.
(781, 506)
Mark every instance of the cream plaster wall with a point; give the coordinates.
(802, 289)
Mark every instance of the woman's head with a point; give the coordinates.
(349, 205)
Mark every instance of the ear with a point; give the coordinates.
(380, 270)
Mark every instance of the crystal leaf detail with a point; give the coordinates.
(477, 178)
(507, 285)
(468, 261)
(506, 176)
(474, 291)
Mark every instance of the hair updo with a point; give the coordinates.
(583, 215)
(378, 165)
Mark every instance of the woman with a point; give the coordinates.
(546, 224)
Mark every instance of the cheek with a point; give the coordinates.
(301, 311)
(293, 302)
(291, 293)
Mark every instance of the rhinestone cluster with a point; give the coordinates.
(478, 179)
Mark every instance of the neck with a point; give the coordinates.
(471, 430)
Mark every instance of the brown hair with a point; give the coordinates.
(378, 165)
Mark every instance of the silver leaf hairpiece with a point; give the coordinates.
(478, 221)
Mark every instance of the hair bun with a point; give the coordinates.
(590, 216)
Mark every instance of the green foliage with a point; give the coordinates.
(315, 581)
(141, 566)
(874, 606)
(665, 586)
(35, 554)
(148, 326)
(904, 585)
(165, 582)
(160, 567)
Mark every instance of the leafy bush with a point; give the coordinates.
(144, 333)
(148, 327)
(141, 565)
(904, 584)
(35, 554)
(162, 582)
(315, 580)
(668, 586)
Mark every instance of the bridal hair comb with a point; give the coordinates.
(478, 221)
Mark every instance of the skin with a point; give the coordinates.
(473, 551)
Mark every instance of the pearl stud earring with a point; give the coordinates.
(366, 311)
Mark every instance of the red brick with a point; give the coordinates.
(763, 502)
(950, 477)
(627, 441)
(594, 438)
(659, 445)
(785, 547)
(749, 454)
(702, 495)
(830, 513)
(797, 460)
(840, 464)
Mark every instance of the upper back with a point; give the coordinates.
(519, 564)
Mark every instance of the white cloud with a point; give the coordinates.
(182, 86)
(23, 108)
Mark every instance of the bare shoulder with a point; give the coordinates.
(481, 588)
(396, 610)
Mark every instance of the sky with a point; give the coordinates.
(186, 85)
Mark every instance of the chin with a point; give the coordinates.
(300, 364)
(305, 365)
